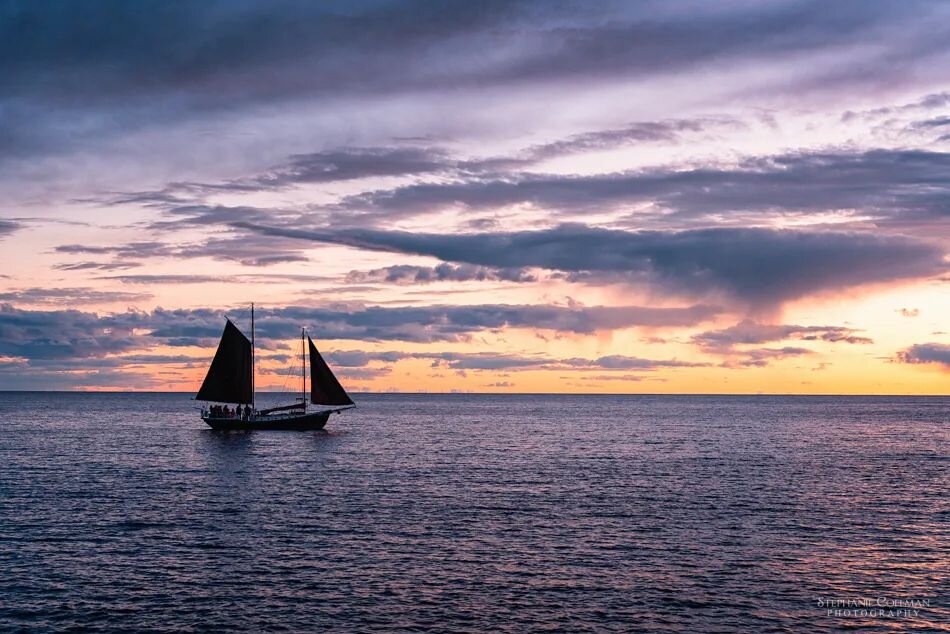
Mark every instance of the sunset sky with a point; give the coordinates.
(621, 197)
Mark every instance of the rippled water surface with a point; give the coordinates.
(478, 513)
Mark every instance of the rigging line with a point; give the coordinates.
(287, 376)
(291, 373)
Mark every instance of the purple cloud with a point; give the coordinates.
(750, 332)
(927, 353)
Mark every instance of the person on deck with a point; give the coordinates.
(239, 412)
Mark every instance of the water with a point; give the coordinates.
(477, 513)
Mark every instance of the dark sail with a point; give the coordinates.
(229, 377)
(324, 388)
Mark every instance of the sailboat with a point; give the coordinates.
(230, 380)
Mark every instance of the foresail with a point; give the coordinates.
(325, 388)
(229, 377)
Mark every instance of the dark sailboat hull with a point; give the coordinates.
(290, 422)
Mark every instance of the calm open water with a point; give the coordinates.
(478, 513)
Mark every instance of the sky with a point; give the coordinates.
(546, 196)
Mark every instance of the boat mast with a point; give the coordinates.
(303, 367)
(252, 356)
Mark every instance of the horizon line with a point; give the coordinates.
(460, 393)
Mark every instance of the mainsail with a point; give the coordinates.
(230, 376)
(324, 387)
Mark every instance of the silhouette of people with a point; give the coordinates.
(242, 412)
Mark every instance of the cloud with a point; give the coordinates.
(732, 342)
(409, 274)
(7, 227)
(247, 278)
(936, 122)
(927, 353)
(346, 163)
(759, 267)
(150, 278)
(362, 358)
(98, 266)
(503, 361)
(131, 250)
(74, 74)
(15, 376)
(927, 102)
(363, 374)
(901, 187)
(74, 334)
(897, 190)
(617, 377)
(129, 371)
(488, 361)
(69, 296)
(761, 357)
(666, 131)
(355, 163)
(65, 334)
(249, 250)
(448, 323)
(620, 362)
(52, 346)
(749, 332)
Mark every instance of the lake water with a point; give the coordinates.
(479, 513)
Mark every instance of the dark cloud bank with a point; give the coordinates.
(758, 267)
(57, 349)
(74, 71)
(901, 188)
(73, 334)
